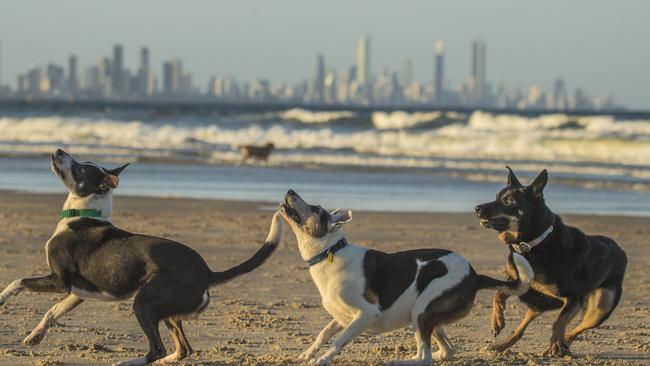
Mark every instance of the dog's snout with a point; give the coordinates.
(477, 209)
(291, 192)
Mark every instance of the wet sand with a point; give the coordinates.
(269, 316)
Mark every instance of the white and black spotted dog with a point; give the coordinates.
(367, 290)
(91, 259)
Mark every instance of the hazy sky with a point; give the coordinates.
(601, 46)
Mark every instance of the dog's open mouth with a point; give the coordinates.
(289, 211)
(498, 224)
(55, 167)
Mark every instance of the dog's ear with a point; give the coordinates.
(116, 172)
(537, 187)
(339, 219)
(512, 178)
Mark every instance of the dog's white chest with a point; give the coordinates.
(341, 283)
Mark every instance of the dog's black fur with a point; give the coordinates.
(573, 270)
(89, 258)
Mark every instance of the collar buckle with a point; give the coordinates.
(523, 247)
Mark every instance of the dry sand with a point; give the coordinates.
(271, 315)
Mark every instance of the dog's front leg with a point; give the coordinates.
(558, 346)
(58, 310)
(498, 308)
(360, 323)
(324, 336)
(49, 283)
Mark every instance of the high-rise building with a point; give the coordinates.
(407, 73)
(478, 71)
(145, 77)
(319, 79)
(363, 62)
(439, 73)
(172, 75)
(117, 72)
(73, 81)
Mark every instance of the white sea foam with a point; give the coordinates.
(307, 116)
(569, 144)
(401, 119)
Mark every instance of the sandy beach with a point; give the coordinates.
(269, 316)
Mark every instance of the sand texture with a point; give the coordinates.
(271, 315)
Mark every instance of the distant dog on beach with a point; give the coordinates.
(257, 152)
(368, 290)
(573, 271)
(91, 259)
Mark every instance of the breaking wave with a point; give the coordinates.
(588, 145)
(307, 116)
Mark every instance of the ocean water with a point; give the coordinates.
(414, 161)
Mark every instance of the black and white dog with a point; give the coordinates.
(368, 290)
(573, 271)
(91, 259)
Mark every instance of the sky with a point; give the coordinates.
(600, 46)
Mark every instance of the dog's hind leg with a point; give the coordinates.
(58, 310)
(598, 306)
(518, 333)
(323, 337)
(49, 283)
(445, 348)
(183, 348)
(144, 309)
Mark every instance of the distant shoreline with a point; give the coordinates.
(208, 105)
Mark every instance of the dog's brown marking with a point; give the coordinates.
(371, 296)
(546, 289)
(597, 306)
(509, 237)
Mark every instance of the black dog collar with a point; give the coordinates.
(329, 253)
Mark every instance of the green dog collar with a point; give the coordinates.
(66, 214)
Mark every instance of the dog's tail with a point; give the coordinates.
(269, 246)
(516, 287)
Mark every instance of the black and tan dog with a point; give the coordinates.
(573, 271)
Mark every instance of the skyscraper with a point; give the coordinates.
(439, 73)
(407, 73)
(363, 62)
(73, 81)
(319, 79)
(117, 72)
(144, 76)
(172, 74)
(478, 71)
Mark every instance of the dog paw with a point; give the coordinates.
(495, 348)
(319, 362)
(557, 349)
(307, 355)
(441, 355)
(33, 339)
(498, 323)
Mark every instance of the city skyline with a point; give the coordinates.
(358, 85)
(529, 42)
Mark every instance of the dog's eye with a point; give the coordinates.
(509, 201)
(315, 209)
